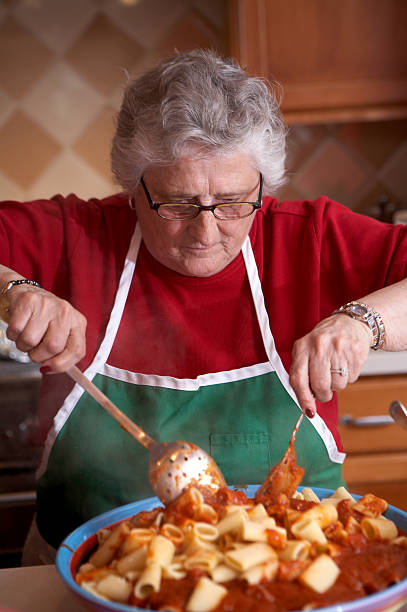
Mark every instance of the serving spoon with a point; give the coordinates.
(286, 475)
(173, 466)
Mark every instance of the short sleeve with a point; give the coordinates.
(31, 239)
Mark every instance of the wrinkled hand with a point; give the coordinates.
(49, 329)
(336, 342)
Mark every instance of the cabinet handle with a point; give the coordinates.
(18, 497)
(368, 421)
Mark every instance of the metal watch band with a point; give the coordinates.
(371, 318)
(20, 281)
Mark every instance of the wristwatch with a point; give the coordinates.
(371, 318)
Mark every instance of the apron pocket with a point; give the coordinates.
(243, 458)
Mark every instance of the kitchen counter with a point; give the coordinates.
(35, 589)
(385, 362)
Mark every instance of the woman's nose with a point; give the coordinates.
(204, 228)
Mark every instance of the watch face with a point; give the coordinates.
(358, 309)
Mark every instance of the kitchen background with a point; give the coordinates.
(62, 69)
(63, 64)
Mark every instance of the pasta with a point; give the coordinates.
(378, 528)
(321, 574)
(308, 530)
(180, 561)
(206, 596)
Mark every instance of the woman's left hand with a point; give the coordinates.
(336, 343)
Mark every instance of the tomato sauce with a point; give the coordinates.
(366, 567)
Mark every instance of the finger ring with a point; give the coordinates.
(341, 371)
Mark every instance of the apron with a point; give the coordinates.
(242, 417)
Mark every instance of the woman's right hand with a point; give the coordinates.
(46, 327)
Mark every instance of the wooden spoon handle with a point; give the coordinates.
(127, 424)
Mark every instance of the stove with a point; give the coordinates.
(19, 455)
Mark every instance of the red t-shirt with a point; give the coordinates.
(311, 256)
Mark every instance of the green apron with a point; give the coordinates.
(243, 418)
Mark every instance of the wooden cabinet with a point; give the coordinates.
(377, 454)
(337, 61)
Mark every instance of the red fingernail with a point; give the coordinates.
(310, 413)
(46, 370)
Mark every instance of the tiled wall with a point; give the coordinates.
(62, 68)
(354, 163)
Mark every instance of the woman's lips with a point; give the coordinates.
(200, 249)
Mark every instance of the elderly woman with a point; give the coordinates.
(201, 294)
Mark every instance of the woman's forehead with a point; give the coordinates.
(217, 172)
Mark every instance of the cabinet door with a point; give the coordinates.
(336, 60)
(376, 453)
(361, 407)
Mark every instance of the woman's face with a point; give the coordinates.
(204, 245)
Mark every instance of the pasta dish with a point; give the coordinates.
(225, 552)
(283, 550)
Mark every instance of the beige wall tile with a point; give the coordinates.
(63, 103)
(368, 202)
(394, 173)
(148, 21)
(213, 10)
(6, 106)
(332, 171)
(69, 174)
(115, 100)
(102, 53)
(9, 190)
(302, 140)
(375, 141)
(189, 32)
(145, 62)
(95, 142)
(57, 23)
(287, 192)
(23, 58)
(26, 149)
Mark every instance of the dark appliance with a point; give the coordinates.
(19, 456)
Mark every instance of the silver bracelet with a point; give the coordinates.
(20, 281)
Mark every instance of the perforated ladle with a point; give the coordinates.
(173, 466)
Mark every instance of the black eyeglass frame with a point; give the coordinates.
(199, 207)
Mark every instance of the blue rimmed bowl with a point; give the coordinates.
(77, 546)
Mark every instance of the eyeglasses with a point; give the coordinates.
(227, 211)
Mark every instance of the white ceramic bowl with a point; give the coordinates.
(80, 542)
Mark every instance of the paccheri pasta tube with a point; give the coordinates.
(223, 551)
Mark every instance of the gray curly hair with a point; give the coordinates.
(196, 100)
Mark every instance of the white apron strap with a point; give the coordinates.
(263, 318)
(119, 304)
(111, 330)
(270, 347)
